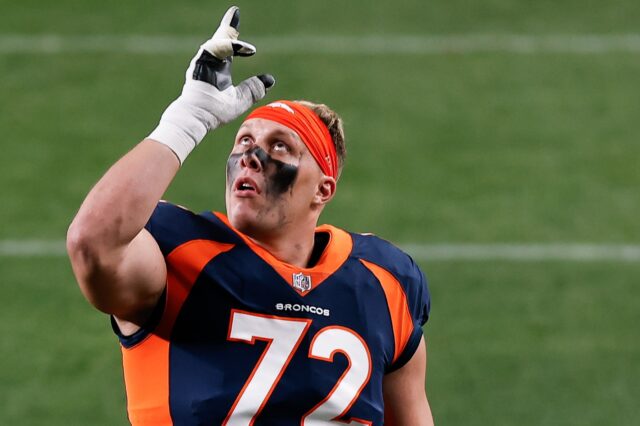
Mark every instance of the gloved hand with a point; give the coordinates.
(209, 97)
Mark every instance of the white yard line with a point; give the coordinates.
(525, 252)
(29, 248)
(373, 44)
(420, 252)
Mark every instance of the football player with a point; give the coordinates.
(258, 316)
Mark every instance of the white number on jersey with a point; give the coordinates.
(283, 336)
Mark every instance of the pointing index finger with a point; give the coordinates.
(231, 18)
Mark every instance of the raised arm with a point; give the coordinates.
(117, 263)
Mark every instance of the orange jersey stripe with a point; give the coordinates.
(335, 254)
(401, 321)
(146, 365)
(147, 381)
(184, 265)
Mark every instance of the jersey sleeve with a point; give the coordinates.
(405, 289)
(418, 304)
(172, 225)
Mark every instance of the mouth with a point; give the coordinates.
(246, 186)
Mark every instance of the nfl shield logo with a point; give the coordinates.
(301, 282)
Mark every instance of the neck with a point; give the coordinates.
(293, 245)
(294, 251)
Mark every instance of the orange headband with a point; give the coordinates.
(308, 126)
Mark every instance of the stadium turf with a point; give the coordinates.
(458, 147)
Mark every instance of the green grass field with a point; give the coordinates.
(450, 147)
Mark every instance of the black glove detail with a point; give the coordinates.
(214, 71)
(235, 21)
(267, 80)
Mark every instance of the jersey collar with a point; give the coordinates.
(304, 280)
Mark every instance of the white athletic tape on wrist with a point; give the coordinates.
(186, 121)
(201, 108)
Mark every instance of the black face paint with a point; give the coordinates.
(279, 176)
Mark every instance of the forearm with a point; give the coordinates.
(118, 265)
(120, 204)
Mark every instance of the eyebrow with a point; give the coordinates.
(276, 133)
(289, 133)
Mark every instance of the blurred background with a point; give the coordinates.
(497, 141)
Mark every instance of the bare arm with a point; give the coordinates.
(117, 263)
(405, 399)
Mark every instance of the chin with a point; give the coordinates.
(253, 224)
(240, 219)
(243, 220)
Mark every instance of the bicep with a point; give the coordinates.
(405, 399)
(126, 282)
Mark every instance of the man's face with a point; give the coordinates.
(272, 179)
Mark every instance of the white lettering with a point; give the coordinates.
(295, 307)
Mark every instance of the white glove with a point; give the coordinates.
(208, 97)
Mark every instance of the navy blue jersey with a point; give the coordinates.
(242, 338)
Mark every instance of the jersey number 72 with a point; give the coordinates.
(283, 336)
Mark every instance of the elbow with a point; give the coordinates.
(90, 264)
(80, 248)
(83, 255)
(89, 242)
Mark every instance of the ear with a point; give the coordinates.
(325, 191)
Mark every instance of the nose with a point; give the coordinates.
(250, 159)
